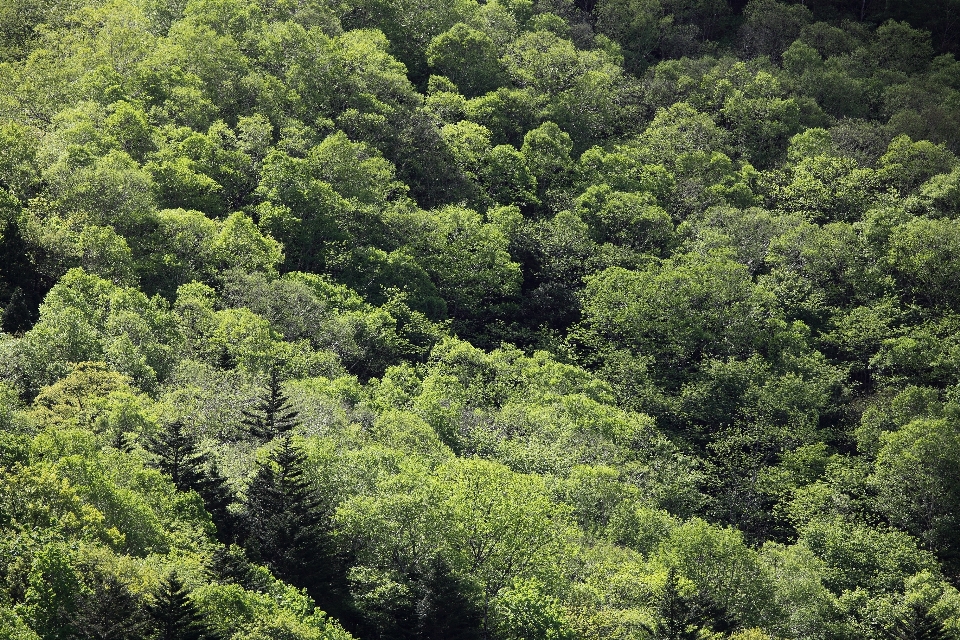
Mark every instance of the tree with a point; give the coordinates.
(178, 456)
(918, 483)
(636, 25)
(469, 261)
(17, 315)
(110, 611)
(675, 613)
(467, 57)
(121, 441)
(174, 615)
(230, 565)
(284, 518)
(445, 611)
(217, 497)
(546, 151)
(271, 416)
(627, 219)
(507, 178)
(679, 312)
(526, 612)
(497, 526)
(771, 27)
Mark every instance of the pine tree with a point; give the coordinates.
(174, 615)
(919, 624)
(178, 455)
(284, 519)
(271, 416)
(109, 611)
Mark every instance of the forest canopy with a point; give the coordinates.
(463, 320)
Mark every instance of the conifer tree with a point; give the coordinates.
(230, 565)
(121, 442)
(445, 611)
(284, 518)
(109, 611)
(271, 416)
(920, 624)
(178, 456)
(17, 315)
(174, 615)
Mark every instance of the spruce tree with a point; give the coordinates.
(230, 565)
(178, 455)
(121, 442)
(109, 611)
(174, 615)
(271, 416)
(284, 519)
(920, 624)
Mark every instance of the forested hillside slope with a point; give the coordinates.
(503, 320)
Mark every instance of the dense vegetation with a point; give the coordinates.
(512, 320)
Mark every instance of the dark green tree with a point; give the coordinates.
(445, 609)
(230, 565)
(121, 441)
(217, 497)
(17, 315)
(174, 615)
(109, 611)
(284, 518)
(178, 455)
(271, 416)
(675, 612)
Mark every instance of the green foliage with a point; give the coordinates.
(174, 615)
(271, 417)
(526, 613)
(110, 611)
(920, 623)
(467, 57)
(717, 311)
(283, 519)
(608, 319)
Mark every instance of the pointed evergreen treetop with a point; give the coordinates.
(675, 612)
(121, 441)
(174, 615)
(284, 516)
(217, 497)
(271, 415)
(178, 455)
(109, 611)
(230, 565)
